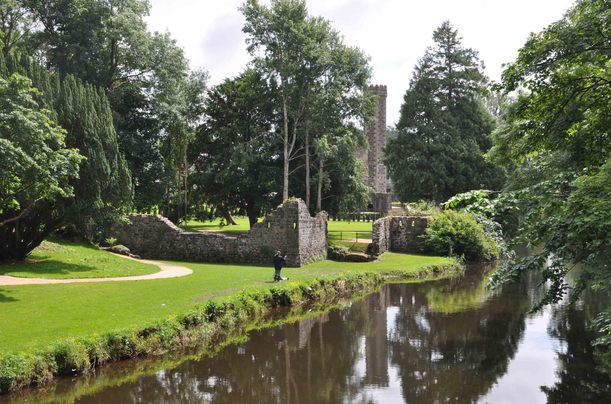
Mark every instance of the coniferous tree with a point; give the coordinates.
(36, 169)
(444, 129)
(104, 187)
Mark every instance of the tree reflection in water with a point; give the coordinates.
(407, 342)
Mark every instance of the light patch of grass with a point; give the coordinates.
(55, 312)
(242, 226)
(347, 228)
(60, 259)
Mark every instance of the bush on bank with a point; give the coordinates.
(459, 234)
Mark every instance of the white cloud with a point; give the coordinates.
(394, 33)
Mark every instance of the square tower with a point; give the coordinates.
(373, 158)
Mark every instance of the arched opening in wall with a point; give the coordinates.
(294, 226)
(269, 225)
(370, 207)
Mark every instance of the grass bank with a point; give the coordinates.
(81, 326)
(60, 259)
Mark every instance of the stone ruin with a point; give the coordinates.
(290, 229)
(399, 234)
(373, 158)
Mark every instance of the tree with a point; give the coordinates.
(103, 191)
(554, 139)
(443, 129)
(15, 21)
(319, 82)
(107, 43)
(280, 33)
(235, 154)
(36, 168)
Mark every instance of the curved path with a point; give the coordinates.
(167, 271)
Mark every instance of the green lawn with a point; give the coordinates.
(347, 228)
(37, 315)
(242, 225)
(62, 259)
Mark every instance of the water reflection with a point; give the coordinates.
(418, 343)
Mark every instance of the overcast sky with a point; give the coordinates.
(394, 33)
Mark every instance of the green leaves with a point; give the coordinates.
(458, 233)
(35, 164)
(555, 141)
(444, 128)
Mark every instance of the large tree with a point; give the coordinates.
(236, 164)
(36, 168)
(444, 129)
(104, 188)
(107, 43)
(555, 141)
(308, 68)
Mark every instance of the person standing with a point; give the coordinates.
(279, 261)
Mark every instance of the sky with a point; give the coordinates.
(393, 33)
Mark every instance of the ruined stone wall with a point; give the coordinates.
(289, 228)
(380, 236)
(399, 234)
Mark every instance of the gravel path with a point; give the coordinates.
(166, 271)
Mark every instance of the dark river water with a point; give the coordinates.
(442, 341)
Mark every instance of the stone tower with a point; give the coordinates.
(377, 178)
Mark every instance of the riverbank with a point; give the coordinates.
(131, 320)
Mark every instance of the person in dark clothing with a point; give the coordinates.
(279, 261)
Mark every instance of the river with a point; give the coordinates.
(451, 340)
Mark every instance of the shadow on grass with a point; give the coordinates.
(5, 298)
(48, 267)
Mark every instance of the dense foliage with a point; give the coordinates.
(458, 233)
(155, 100)
(103, 190)
(444, 129)
(555, 139)
(235, 152)
(317, 84)
(37, 168)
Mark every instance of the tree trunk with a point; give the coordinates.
(229, 219)
(307, 166)
(18, 238)
(319, 185)
(252, 212)
(285, 173)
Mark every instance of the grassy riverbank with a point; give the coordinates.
(55, 328)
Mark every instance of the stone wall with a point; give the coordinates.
(399, 233)
(289, 228)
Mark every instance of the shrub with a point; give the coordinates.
(458, 233)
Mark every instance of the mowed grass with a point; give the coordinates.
(62, 259)
(37, 315)
(242, 226)
(349, 228)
